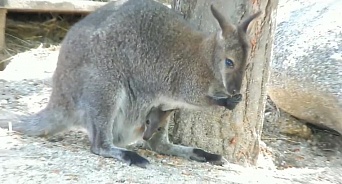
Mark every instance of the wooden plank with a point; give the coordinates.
(3, 12)
(57, 6)
(2, 27)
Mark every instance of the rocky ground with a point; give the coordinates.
(292, 152)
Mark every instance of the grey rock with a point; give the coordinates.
(306, 71)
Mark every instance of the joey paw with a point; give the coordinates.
(134, 158)
(203, 156)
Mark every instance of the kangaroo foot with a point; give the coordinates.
(203, 156)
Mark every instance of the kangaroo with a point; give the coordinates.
(155, 121)
(156, 139)
(137, 54)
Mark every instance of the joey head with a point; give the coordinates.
(155, 121)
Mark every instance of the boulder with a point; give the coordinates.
(306, 69)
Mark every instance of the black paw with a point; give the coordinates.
(207, 157)
(233, 101)
(134, 158)
(227, 102)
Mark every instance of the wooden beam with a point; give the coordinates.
(3, 12)
(2, 27)
(56, 6)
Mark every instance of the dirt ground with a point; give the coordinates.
(304, 157)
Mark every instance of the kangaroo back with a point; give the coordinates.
(153, 47)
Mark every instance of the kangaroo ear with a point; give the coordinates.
(168, 112)
(244, 25)
(165, 107)
(226, 27)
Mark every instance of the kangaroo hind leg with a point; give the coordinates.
(99, 117)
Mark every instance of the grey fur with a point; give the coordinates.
(129, 56)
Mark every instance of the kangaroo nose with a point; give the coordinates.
(145, 138)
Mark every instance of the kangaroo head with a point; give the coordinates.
(231, 51)
(156, 119)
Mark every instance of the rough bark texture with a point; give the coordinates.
(235, 134)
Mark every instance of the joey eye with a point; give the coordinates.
(159, 129)
(229, 63)
(147, 122)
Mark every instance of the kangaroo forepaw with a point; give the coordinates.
(227, 102)
(233, 101)
(134, 158)
(203, 156)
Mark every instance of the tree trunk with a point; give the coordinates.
(235, 134)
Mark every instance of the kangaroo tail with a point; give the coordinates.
(44, 123)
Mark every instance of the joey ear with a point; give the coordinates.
(244, 25)
(168, 112)
(225, 25)
(165, 107)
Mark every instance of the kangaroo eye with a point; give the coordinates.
(147, 122)
(159, 129)
(229, 63)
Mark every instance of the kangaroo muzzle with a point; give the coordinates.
(147, 136)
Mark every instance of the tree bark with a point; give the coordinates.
(234, 134)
